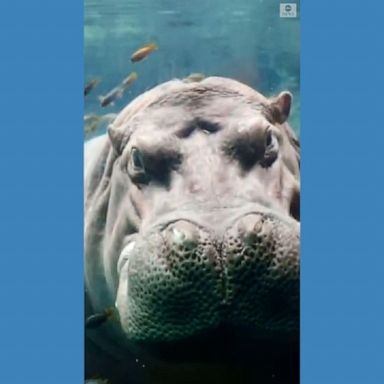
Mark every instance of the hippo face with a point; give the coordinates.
(193, 215)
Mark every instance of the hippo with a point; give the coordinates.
(192, 236)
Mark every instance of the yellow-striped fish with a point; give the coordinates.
(143, 52)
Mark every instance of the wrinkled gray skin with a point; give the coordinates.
(192, 231)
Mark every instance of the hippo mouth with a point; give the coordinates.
(183, 281)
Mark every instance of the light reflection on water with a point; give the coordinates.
(243, 39)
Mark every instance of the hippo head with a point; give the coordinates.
(193, 216)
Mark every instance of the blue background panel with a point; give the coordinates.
(41, 192)
(342, 192)
(41, 223)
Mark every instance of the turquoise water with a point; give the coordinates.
(243, 39)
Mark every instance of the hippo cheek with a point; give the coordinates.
(169, 285)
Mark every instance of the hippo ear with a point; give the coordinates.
(281, 107)
(115, 137)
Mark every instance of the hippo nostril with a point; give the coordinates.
(251, 225)
(183, 234)
(257, 228)
(178, 236)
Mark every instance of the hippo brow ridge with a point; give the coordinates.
(178, 93)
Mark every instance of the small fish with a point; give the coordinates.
(111, 96)
(91, 122)
(98, 319)
(194, 77)
(109, 117)
(129, 79)
(143, 52)
(90, 85)
(91, 117)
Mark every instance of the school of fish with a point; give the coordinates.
(92, 122)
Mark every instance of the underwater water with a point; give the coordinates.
(243, 39)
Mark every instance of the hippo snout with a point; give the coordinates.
(184, 279)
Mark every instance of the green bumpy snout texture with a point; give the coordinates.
(185, 279)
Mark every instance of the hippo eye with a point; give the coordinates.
(136, 168)
(271, 149)
(268, 139)
(137, 160)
